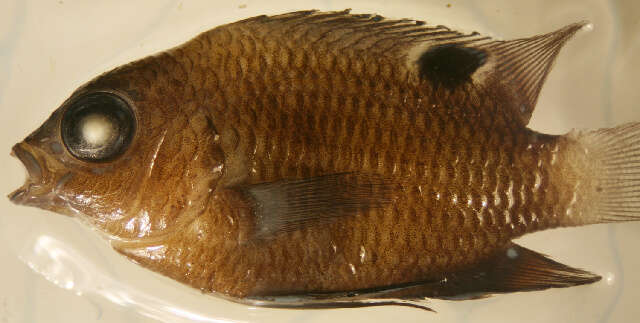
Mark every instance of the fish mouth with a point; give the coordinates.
(42, 187)
(34, 182)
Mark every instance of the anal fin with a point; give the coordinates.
(514, 269)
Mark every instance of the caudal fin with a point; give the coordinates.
(615, 152)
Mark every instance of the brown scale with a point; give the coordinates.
(340, 158)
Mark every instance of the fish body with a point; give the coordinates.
(337, 158)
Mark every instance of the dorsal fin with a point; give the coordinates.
(522, 65)
(339, 30)
(513, 70)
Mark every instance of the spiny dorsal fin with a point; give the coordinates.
(289, 205)
(339, 30)
(522, 65)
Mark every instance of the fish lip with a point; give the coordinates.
(29, 161)
(18, 196)
(23, 195)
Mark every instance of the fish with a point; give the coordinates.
(329, 159)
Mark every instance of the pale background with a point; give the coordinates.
(48, 48)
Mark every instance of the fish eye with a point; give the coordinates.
(98, 127)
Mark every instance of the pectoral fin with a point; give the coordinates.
(290, 205)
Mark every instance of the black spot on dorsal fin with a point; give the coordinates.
(450, 65)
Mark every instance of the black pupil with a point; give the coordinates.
(97, 127)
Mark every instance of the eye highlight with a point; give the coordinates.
(98, 127)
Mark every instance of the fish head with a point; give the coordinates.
(127, 151)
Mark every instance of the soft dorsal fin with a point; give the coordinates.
(289, 205)
(522, 65)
